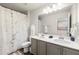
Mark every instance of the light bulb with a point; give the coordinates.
(45, 11)
(49, 9)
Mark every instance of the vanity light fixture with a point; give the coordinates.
(53, 7)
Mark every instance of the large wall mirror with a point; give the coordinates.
(56, 23)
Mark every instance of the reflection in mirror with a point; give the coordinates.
(55, 22)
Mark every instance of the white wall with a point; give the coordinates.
(74, 14)
(34, 18)
(75, 20)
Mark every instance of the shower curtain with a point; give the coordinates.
(14, 30)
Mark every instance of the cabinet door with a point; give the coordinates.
(67, 51)
(53, 49)
(41, 47)
(34, 46)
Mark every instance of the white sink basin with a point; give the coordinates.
(63, 41)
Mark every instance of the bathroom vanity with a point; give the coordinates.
(50, 46)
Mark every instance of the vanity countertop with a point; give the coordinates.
(57, 41)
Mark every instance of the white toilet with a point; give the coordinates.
(26, 46)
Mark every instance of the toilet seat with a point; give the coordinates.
(26, 44)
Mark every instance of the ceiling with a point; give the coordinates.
(23, 7)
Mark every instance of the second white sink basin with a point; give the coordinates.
(63, 41)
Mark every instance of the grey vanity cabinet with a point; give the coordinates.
(38, 47)
(67, 51)
(34, 46)
(53, 49)
(41, 47)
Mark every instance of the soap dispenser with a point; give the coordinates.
(71, 37)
